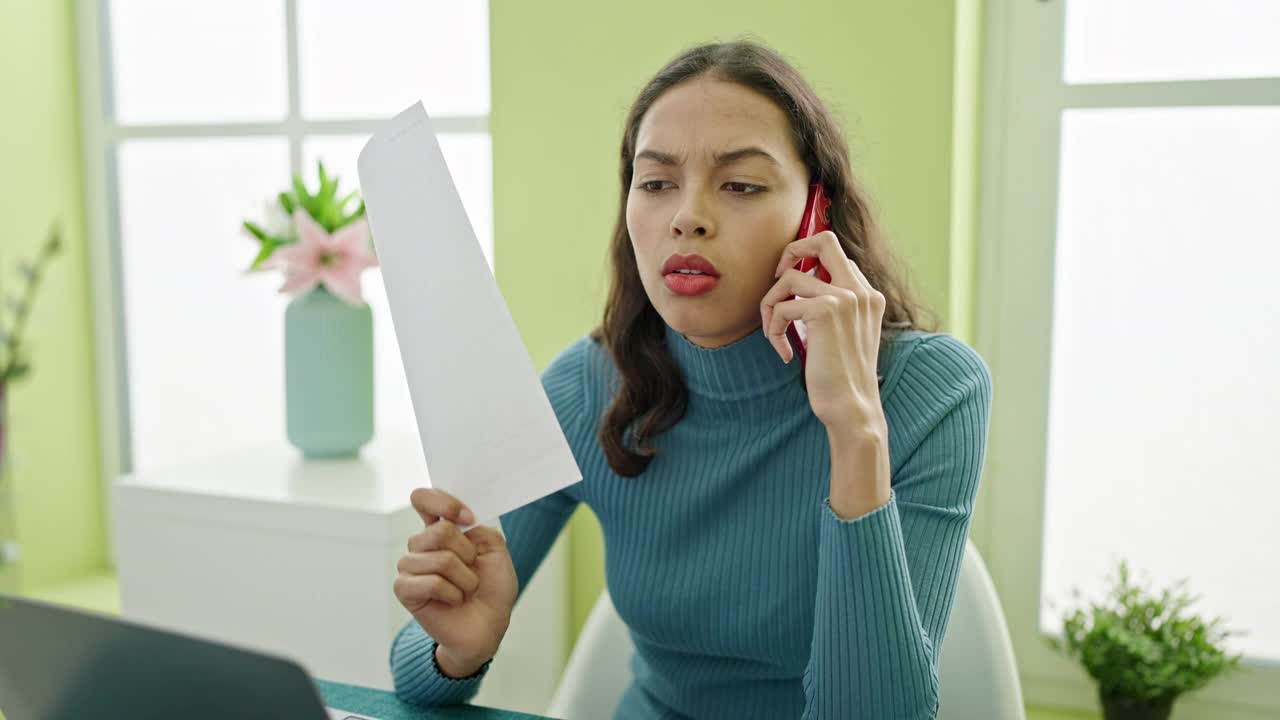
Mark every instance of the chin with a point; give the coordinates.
(693, 324)
(686, 321)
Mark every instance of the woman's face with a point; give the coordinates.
(716, 175)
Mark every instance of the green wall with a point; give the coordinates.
(52, 412)
(564, 75)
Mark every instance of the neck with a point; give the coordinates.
(713, 343)
(745, 368)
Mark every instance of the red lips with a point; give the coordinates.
(689, 262)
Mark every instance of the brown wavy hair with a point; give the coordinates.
(652, 397)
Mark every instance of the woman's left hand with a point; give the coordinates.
(842, 322)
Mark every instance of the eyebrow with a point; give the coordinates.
(721, 159)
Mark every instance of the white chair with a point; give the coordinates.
(599, 668)
(979, 678)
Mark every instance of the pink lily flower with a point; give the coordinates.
(334, 260)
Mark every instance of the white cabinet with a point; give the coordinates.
(265, 550)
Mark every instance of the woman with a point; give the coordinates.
(782, 541)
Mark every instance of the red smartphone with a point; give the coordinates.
(814, 221)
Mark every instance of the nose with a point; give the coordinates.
(692, 219)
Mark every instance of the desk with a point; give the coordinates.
(385, 705)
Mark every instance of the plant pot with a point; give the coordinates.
(328, 375)
(1119, 708)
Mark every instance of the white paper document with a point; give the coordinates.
(488, 431)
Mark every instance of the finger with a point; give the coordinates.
(775, 327)
(486, 539)
(826, 247)
(792, 283)
(441, 562)
(418, 590)
(859, 276)
(447, 536)
(443, 535)
(810, 310)
(432, 504)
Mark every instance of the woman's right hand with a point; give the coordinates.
(460, 587)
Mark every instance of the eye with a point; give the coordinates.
(742, 188)
(648, 186)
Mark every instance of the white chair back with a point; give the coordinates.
(599, 668)
(978, 676)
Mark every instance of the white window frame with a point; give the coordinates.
(1024, 97)
(101, 135)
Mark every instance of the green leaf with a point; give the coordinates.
(256, 231)
(328, 190)
(287, 203)
(325, 198)
(300, 191)
(332, 218)
(268, 247)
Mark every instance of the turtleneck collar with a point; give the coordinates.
(746, 368)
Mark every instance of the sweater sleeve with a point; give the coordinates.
(887, 579)
(530, 531)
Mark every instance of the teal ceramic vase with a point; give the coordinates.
(328, 357)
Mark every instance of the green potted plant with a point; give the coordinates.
(15, 364)
(1144, 649)
(322, 246)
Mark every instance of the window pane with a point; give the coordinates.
(1164, 400)
(180, 62)
(1145, 40)
(469, 159)
(378, 57)
(204, 341)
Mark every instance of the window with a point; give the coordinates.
(196, 115)
(1129, 239)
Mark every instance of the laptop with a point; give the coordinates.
(58, 663)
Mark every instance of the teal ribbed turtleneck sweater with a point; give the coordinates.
(745, 594)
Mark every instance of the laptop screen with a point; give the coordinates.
(56, 663)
